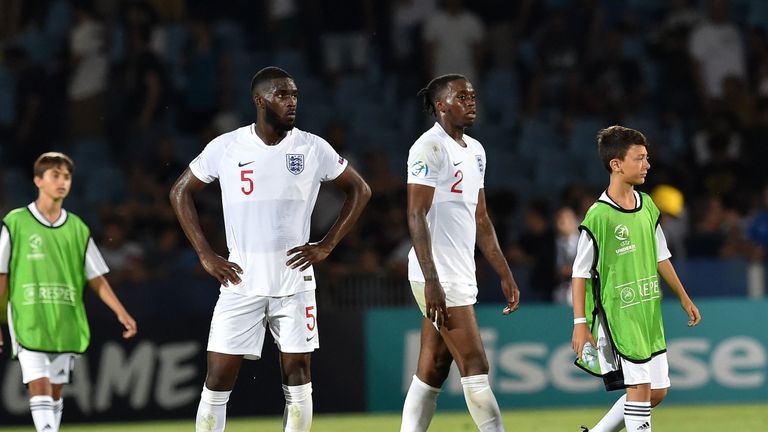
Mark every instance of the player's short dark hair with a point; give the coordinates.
(50, 160)
(430, 93)
(267, 74)
(614, 142)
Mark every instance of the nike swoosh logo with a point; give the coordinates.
(310, 338)
(457, 163)
(240, 164)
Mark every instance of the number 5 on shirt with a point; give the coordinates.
(248, 180)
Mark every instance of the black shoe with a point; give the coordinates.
(584, 429)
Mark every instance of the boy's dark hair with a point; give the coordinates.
(50, 160)
(613, 143)
(267, 74)
(430, 93)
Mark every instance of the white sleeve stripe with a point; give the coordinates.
(662, 250)
(95, 265)
(585, 253)
(5, 249)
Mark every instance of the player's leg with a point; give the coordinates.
(293, 323)
(35, 373)
(235, 333)
(58, 403)
(60, 373)
(431, 371)
(219, 382)
(660, 382)
(637, 408)
(462, 336)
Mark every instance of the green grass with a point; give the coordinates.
(698, 418)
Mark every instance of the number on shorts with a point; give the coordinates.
(309, 310)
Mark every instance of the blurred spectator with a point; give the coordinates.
(142, 80)
(206, 70)
(33, 128)
(615, 78)
(347, 27)
(717, 52)
(125, 258)
(566, 242)
(88, 75)
(674, 220)
(535, 249)
(453, 42)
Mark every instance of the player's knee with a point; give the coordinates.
(296, 370)
(219, 379)
(657, 395)
(474, 365)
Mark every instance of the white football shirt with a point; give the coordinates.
(457, 173)
(267, 194)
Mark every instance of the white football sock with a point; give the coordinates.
(637, 416)
(42, 413)
(212, 411)
(58, 410)
(419, 407)
(298, 408)
(482, 403)
(613, 420)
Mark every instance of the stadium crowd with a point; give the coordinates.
(132, 90)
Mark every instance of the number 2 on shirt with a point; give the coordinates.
(455, 188)
(247, 180)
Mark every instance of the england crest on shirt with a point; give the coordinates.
(294, 163)
(480, 164)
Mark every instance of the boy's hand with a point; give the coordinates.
(581, 335)
(129, 323)
(694, 317)
(434, 296)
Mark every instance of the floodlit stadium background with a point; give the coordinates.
(133, 90)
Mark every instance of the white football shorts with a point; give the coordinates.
(456, 294)
(240, 322)
(655, 371)
(57, 367)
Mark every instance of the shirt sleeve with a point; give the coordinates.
(424, 163)
(206, 165)
(95, 265)
(331, 164)
(5, 249)
(585, 253)
(662, 251)
(483, 162)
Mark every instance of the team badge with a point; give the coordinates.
(294, 163)
(419, 169)
(480, 164)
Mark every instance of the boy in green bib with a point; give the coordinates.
(47, 257)
(616, 294)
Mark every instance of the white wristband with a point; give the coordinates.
(581, 320)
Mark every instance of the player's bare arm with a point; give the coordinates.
(101, 286)
(667, 272)
(184, 206)
(419, 203)
(581, 333)
(3, 285)
(488, 243)
(357, 194)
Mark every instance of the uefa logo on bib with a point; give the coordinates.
(621, 232)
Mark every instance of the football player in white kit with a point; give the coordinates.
(269, 173)
(447, 216)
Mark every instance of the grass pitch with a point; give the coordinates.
(672, 418)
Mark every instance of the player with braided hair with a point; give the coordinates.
(447, 217)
